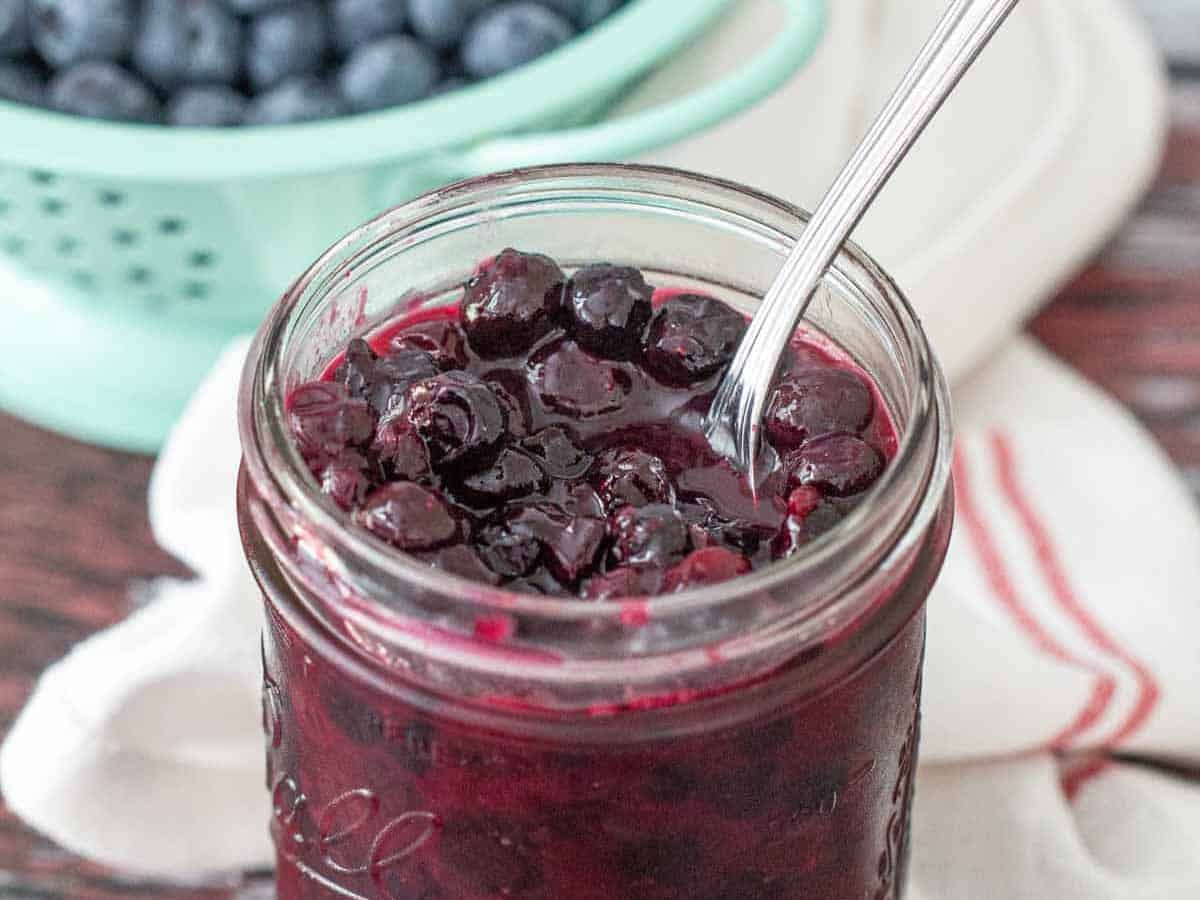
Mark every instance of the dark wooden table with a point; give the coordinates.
(74, 535)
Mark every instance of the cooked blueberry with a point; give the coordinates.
(575, 383)
(345, 480)
(358, 22)
(627, 476)
(510, 35)
(556, 449)
(512, 476)
(382, 381)
(442, 339)
(512, 390)
(188, 42)
(585, 13)
(462, 561)
(609, 308)
(709, 565)
(302, 99)
(653, 535)
(691, 338)
(802, 526)
(508, 553)
(459, 418)
(838, 464)
(22, 83)
(572, 543)
(325, 420)
(441, 23)
(401, 451)
(388, 72)
(816, 402)
(71, 31)
(103, 90)
(511, 302)
(285, 43)
(652, 865)
(14, 27)
(210, 107)
(488, 858)
(409, 517)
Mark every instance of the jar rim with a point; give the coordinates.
(276, 468)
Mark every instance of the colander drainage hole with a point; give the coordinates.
(13, 246)
(195, 290)
(3, 207)
(139, 275)
(52, 206)
(83, 279)
(170, 226)
(42, 177)
(123, 237)
(110, 198)
(67, 245)
(202, 259)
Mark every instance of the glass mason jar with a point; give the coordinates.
(429, 738)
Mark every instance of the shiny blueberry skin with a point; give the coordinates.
(691, 338)
(409, 517)
(286, 43)
(511, 302)
(837, 464)
(815, 402)
(512, 34)
(188, 42)
(608, 308)
(458, 416)
(208, 107)
(358, 22)
(303, 99)
(102, 90)
(388, 72)
(66, 32)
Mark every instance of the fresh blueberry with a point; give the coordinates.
(815, 402)
(585, 13)
(838, 464)
(14, 27)
(511, 302)
(458, 416)
(70, 31)
(285, 43)
(609, 308)
(103, 90)
(22, 83)
(188, 42)
(510, 35)
(254, 7)
(302, 99)
(207, 107)
(358, 22)
(692, 337)
(574, 383)
(442, 23)
(388, 72)
(409, 517)
(629, 476)
(442, 339)
(653, 535)
(447, 85)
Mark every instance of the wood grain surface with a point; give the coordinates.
(74, 536)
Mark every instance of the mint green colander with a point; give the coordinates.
(146, 248)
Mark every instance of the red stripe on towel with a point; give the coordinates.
(1060, 586)
(1003, 589)
(1075, 778)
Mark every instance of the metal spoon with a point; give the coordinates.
(741, 398)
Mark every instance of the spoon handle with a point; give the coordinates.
(738, 406)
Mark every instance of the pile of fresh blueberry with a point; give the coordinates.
(267, 62)
(546, 435)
